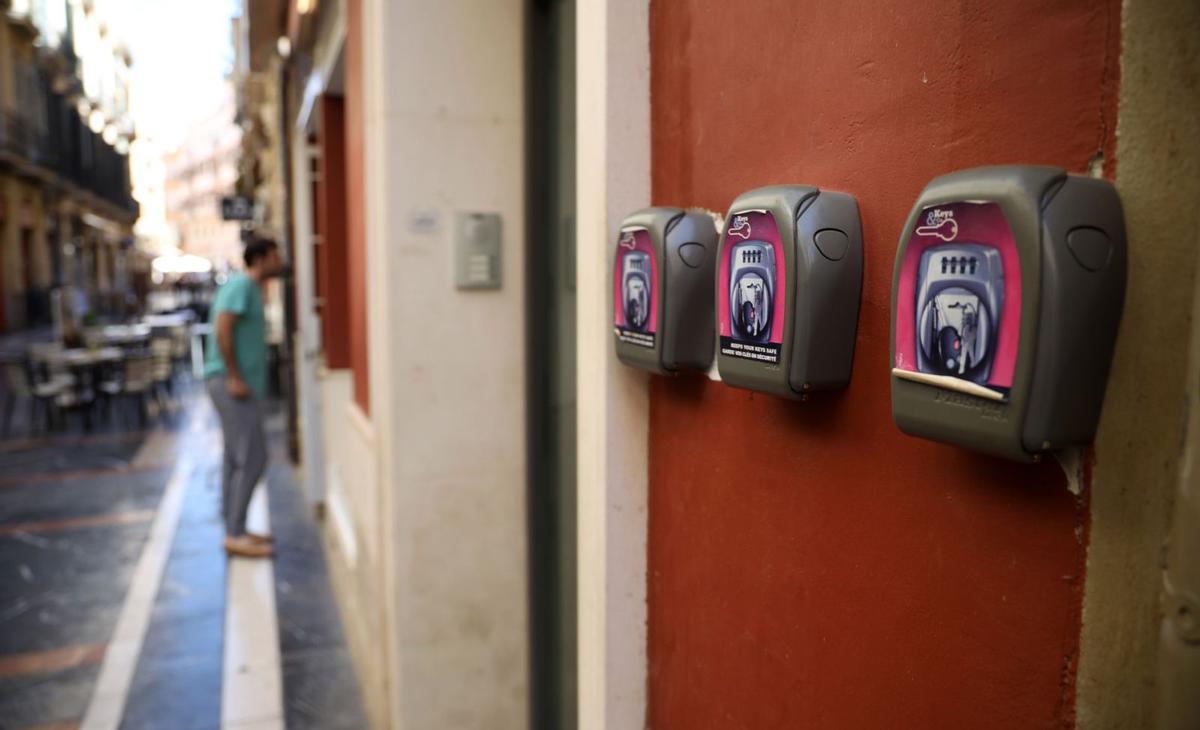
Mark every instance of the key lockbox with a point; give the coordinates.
(662, 290)
(1008, 289)
(788, 287)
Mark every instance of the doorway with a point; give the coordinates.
(550, 276)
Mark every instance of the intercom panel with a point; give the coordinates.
(788, 287)
(662, 291)
(1007, 293)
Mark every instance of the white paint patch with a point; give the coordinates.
(1071, 461)
(343, 524)
(251, 683)
(713, 372)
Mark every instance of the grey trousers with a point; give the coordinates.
(245, 453)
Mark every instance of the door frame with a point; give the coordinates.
(613, 178)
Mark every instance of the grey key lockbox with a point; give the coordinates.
(662, 290)
(1007, 293)
(788, 288)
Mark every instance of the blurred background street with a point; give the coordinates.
(120, 140)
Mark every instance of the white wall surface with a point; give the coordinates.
(445, 133)
(353, 530)
(613, 179)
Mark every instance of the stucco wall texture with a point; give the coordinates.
(1144, 449)
(809, 565)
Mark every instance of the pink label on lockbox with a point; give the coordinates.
(635, 288)
(750, 300)
(958, 302)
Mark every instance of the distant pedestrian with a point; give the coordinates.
(235, 372)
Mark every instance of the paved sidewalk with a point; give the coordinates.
(78, 515)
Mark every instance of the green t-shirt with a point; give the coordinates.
(241, 296)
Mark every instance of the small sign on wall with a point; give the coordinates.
(237, 208)
(424, 222)
(477, 251)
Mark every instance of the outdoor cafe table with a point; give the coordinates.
(86, 366)
(124, 335)
(166, 321)
(83, 360)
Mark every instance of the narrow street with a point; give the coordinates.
(119, 609)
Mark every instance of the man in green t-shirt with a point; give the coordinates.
(235, 371)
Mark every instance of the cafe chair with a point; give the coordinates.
(42, 397)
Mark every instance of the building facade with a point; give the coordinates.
(201, 171)
(148, 172)
(65, 132)
(524, 532)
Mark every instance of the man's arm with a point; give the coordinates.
(236, 386)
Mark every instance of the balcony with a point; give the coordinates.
(21, 139)
(59, 149)
(47, 140)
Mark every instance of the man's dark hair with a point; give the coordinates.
(257, 248)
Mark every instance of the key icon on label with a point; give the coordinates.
(947, 230)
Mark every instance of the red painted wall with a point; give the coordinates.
(332, 276)
(356, 206)
(809, 565)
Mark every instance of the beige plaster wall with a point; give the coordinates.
(1141, 438)
(612, 178)
(445, 133)
(352, 522)
(10, 242)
